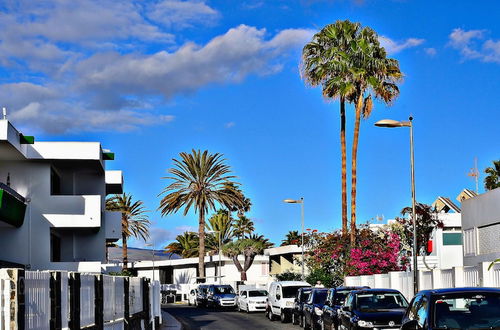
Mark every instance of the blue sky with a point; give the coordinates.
(150, 79)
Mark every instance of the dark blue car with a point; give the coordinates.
(313, 308)
(457, 308)
(333, 303)
(300, 298)
(373, 308)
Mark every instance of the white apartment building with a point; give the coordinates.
(52, 203)
(481, 227)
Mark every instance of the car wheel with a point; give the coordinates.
(283, 317)
(301, 321)
(294, 319)
(248, 309)
(270, 315)
(306, 325)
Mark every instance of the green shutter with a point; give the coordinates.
(12, 210)
(108, 155)
(26, 139)
(452, 238)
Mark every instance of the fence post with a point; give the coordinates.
(21, 298)
(458, 277)
(99, 302)
(74, 287)
(145, 303)
(55, 301)
(126, 301)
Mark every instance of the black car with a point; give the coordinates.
(333, 303)
(373, 308)
(201, 295)
(313, 308)
(457, 308)
(300, 299)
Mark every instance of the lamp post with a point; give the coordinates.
(394, 123)
(220, 252)
(301, 202)
(153, 257)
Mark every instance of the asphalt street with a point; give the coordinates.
(193, 318)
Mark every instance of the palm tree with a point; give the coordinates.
(323, 64)
(262, 239)
(135, 221)
(249, 248)
(186, 245)
(492, 181)
(221, 225)
(292, 238)
(244, 204)
(373, 75)
(243, 226)
(199, 182)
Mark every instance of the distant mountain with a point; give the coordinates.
(136, 254)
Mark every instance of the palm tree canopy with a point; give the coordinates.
(186, 245)
(200, 180)
(135, 221)
(292, 238)
(221, 224)
(243, 226)
(492, 180)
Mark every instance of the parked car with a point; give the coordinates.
(313, 308)
(281, 297)
(373, 308)
(300, 299)
(457, 308)
(192, 297)
(221, 296)
(252, 300)
(201, 295)
(333, 303)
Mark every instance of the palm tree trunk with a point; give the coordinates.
(124, 251)
(355, 140)
(201, 250)
(344, 165)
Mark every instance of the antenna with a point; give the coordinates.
(475, 174)
(4, 112)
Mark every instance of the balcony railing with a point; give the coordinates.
(75, 211)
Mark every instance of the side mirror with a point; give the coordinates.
(346, 308)
(278, 297)
(327, 303)
(410, 325)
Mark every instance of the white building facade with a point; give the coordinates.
(52, 203)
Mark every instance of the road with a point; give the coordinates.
(193, 318)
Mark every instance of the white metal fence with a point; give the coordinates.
(113, 298)
(135, 295)
(87, 298)
(471, 276)
(4, 303)
(37, 300)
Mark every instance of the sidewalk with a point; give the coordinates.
(169, 322)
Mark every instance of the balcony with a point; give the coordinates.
(83, 211)
(113, 221)
(12, 207)
(114, 182)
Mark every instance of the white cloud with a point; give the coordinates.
(230, 124)
(472, 45)
(430, 51)
(182, 14)
(393, 47)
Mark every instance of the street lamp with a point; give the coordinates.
(301, 202)
(220, 251)
(153, 257)
(393, 123)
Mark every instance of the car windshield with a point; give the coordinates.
(380, 301)
(340, 296)
(320, 297)
(257, 293)
(467, 311)
(223, 290)
(290, 291)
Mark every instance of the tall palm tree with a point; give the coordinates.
(492, 180)
(221, 225)
(186, 245)
(373, 76)
(244, 204)
(243, 226)
(323, 63)
(292, 238)
(260, 238)
(199, 183)
(135, 221)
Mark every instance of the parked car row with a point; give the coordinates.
(356, 308)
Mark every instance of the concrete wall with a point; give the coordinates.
(481, 218)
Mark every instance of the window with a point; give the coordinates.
(55, 248)
(55, 182)
(422, 312)
(452, 238)
(412, 312)
(259, 293)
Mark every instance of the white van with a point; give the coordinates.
(281, 299)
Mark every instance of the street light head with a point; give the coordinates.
(293, 201)
(392, 123)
